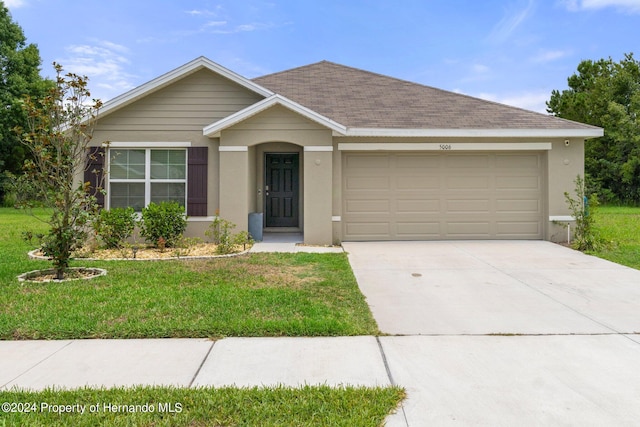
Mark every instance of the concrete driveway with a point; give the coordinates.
(495, 333)
(494, 287)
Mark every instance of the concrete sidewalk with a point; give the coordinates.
(450, 380)
(192, 362)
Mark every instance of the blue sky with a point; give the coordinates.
(510, 51)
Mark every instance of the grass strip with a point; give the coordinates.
(171, 406)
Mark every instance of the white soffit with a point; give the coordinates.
(178, 73)
(448, 146)
(486, 133)
(213, 130)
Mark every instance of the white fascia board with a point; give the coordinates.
(171, 76)
(213, 130)
(233, 148)
(448, 146)
(561, 218)
(485, 133)
(318, 148)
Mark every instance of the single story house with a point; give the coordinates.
(339, 154)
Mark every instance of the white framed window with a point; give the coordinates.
(139, 176)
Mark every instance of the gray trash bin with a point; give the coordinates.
(255, 226)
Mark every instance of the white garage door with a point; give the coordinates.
(423, 196)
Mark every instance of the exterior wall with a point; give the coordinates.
(279, 130)
(277, 124)
(565, 163)
(336, 214)
(318, 176)
(234, 187)
(178, 113)
(189, 104)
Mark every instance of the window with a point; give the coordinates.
(139, 176)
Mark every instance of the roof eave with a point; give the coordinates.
(586, 133)
(176, 74)
(214, 129)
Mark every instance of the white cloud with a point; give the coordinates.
(533, 101)
(204, 12)
(503, 30)
(215, 24)
(630, 6)
(14, 4)
(480, 68)
(549, 55)
(104, 63)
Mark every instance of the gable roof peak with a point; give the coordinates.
(197, 64)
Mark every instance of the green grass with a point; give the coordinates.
(620, 228)
(252, 295)
(308, 406)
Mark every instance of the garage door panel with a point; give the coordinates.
(468, 205)
(518, 229)
(467, 161)
(519, 182)
(368, 206)
(368, 230)
(521, 206)
(469, 229)
(467, 182)
(368, 182)
(367, 161)
(418, 205)
(417, 161)
(418, 196)
(419, 229)
(416, 182)
(517, 161)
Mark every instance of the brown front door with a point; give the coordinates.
(281, 190)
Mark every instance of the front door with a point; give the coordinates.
(281, 190)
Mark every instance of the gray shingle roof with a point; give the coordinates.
(362, 99)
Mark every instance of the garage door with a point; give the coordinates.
(424, 196)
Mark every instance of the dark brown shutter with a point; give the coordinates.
(197, 181)
(94, 172)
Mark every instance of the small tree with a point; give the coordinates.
(59, 128)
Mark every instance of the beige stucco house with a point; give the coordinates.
(339, 154)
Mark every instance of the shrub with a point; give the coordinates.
(583, 209)
(164, 222)
(115, 226)
(220, 232)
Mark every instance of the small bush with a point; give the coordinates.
(583, 209)
(220, 232)
(164, 222)
(115, 226)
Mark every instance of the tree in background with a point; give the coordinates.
(59, 128)
(19, 76)
(607, 94)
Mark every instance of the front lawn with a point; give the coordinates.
(250, 295)
(169, 406)
(620, 228)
